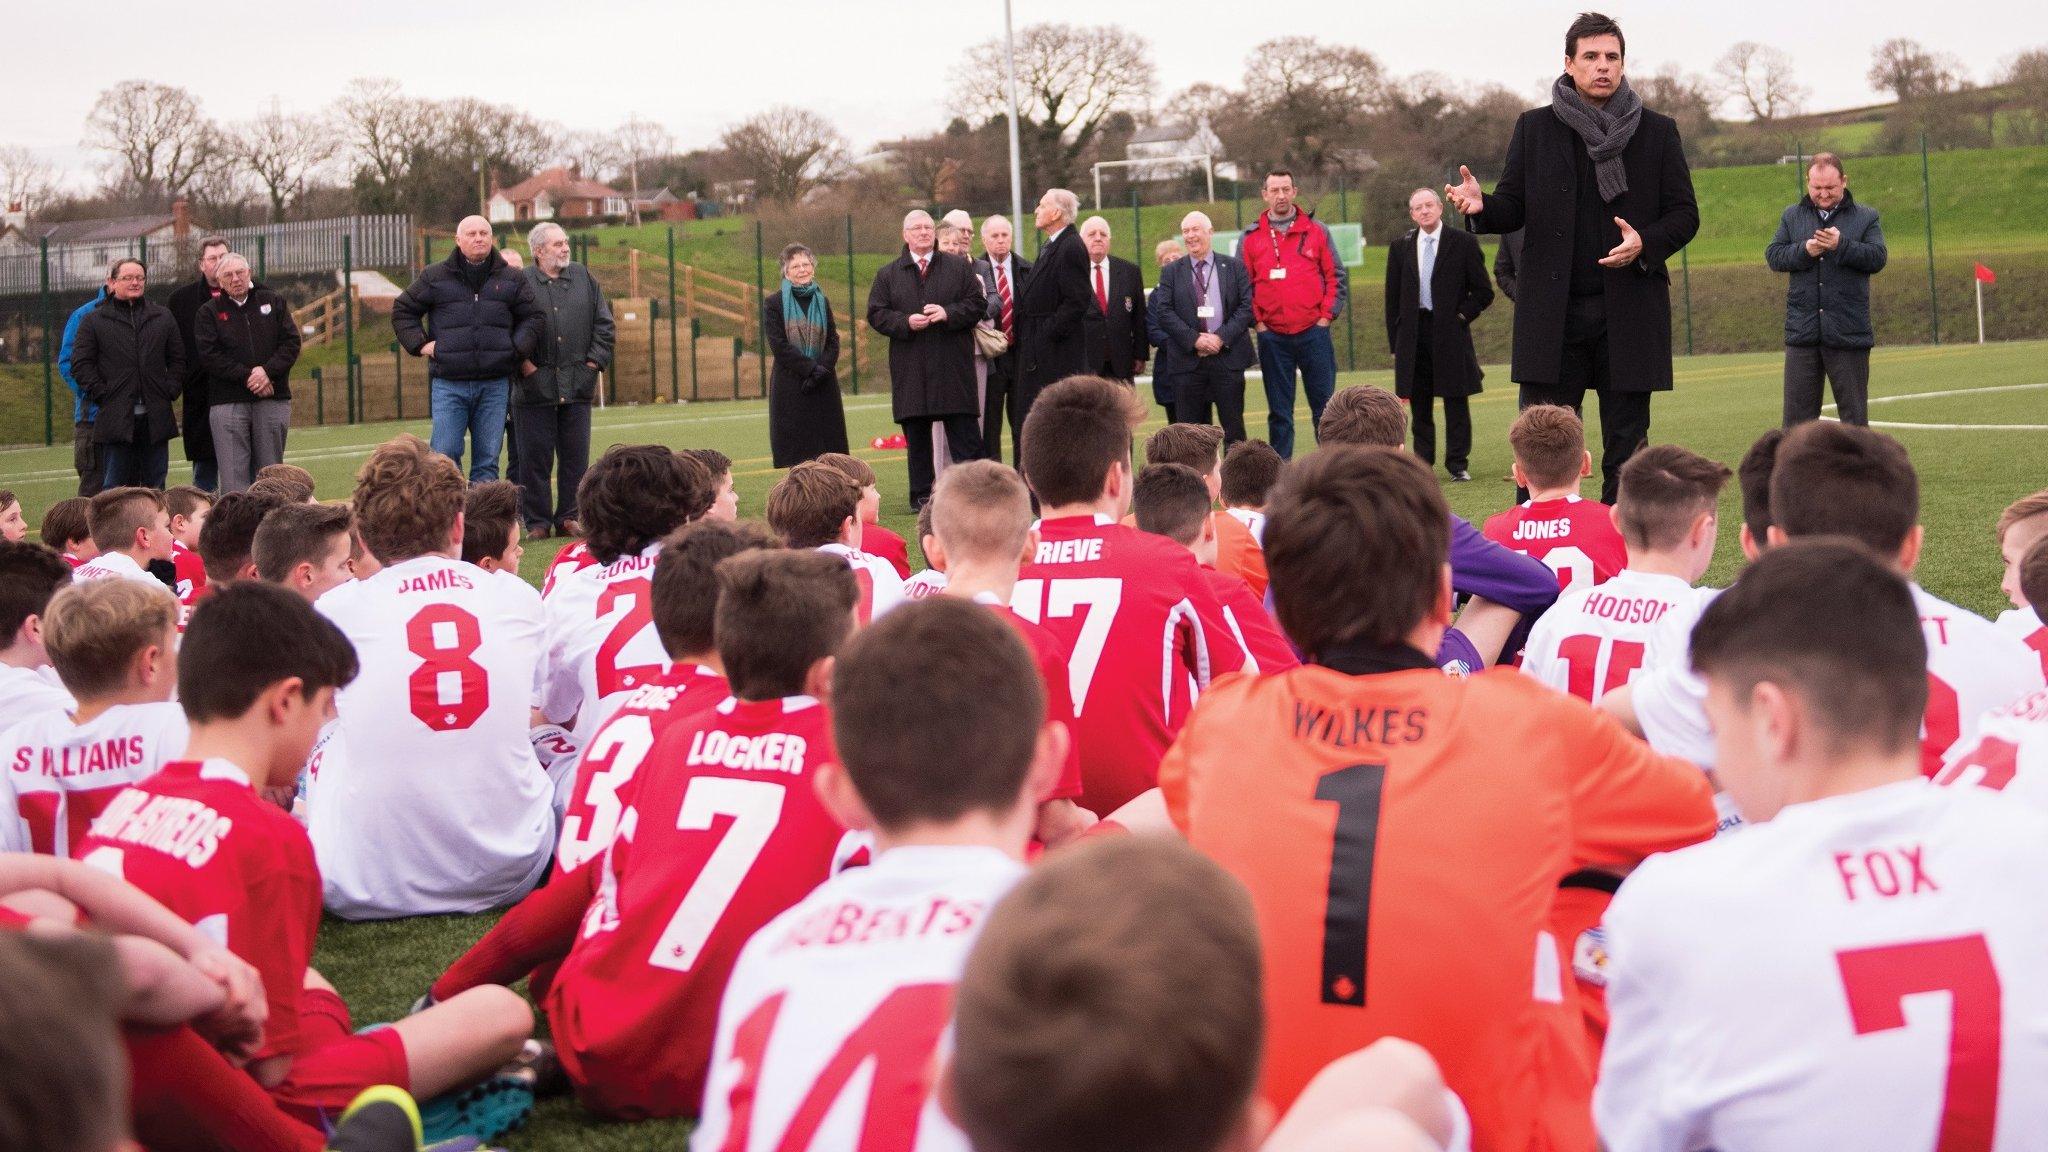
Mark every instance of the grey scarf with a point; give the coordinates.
(1605, 131)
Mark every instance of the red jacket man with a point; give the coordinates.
(1297, 290)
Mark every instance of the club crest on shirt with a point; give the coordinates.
(1589, 957)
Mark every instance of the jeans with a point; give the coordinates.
(1847, 369)
(248, 436)
(475, 407)
(1314, 354)
(549, 437)
(145, 465)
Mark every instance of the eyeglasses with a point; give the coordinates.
(130, 279)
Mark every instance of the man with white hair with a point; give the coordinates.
(1204, 306)
(1052, 310)
(551, 400)
(1002, 274)
(927, 302)
(476, 321)
(247, 345)
(1116, 342)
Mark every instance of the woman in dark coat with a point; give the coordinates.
(805, 419)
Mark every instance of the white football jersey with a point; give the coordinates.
(601, 642)
(1253, 520)
(26, 693)
(60, 775)
(1596, 638)
(881, 589)
(2010, 754)
(929, 582)
(850, 992)
(2024, 624)
(1860, 972)
(113, 566)
(1972, 667)
(439, 804)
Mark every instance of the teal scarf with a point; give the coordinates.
(804, 318)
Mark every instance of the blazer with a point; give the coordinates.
(1537, 193)
(1176, 304)
(1051, 310)
(1459, 292)
(1117, 343)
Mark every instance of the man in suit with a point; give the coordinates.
(1115, 327)
(1436, 287)
(1600, 187)
(927, 303)
(1052, 310)
(1204, 305)
(1003, 273)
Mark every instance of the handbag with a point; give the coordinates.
(989, 341)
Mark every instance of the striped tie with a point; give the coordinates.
(1003, 290)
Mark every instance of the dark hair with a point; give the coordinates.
(490, 510)
(1841, 480)
(1250, 469)
(811, 502)
(67, 520)
(1171, 500)
(1365, 416)
(1832, 622)
(114, 269)
(1753, 475)
(221, 673)
(2034, 577)
(406, 500)
(1549, 442)
(1196, 445)
(919, 687)
(29, 575)
(117, 512)
(1592, 24)
(228, 538)
(684, 594)
(715, 462)
(182, 500)
(779, 612)
(1356, 541)
(1078, 430)
(636, 494)
(1272, 172)
(67, 1073)
(1076, 1014)
(295, 534)
(1663, 489)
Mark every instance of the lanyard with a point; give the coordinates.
(1202, 282)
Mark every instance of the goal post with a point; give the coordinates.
(1206, 159)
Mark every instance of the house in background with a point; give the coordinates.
(82, 250)
(1169, 145)
(556, 194)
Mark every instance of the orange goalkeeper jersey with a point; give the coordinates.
(1402, 835)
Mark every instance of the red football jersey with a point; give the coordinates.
(198, 838)
(1258, 636)
(616, 751)
(876, 540)
(1140, 620)
(191, 580)
(1051, 655)
(1576, 537)
(721, 834)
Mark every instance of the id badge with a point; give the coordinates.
(1277, 274)
(1205, 312)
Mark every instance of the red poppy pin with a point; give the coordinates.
(223, 315)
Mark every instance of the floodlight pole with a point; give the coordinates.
(1016, 153)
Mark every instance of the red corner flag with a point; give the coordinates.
(1986, 274)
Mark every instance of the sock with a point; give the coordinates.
(538, 930)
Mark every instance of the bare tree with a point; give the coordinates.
(1070, 81)
(1909, 71)
(1759, 77)
(283, 153)
(635, 142)
(592, 154)
(2025, 74)
(1311, 100)
(157, 136)
(1681, 95)
(786, 151)
(383, 128)
(26, 180)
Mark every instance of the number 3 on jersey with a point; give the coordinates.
(446, 638)
(1096, 597)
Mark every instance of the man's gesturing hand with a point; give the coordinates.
(1624, 254)
(1465, 196)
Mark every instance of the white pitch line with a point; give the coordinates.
(1954, 392)
(1960, 427)
(1955, 427)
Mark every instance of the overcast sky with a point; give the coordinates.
(877, 68)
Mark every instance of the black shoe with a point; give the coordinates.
(1461, 477)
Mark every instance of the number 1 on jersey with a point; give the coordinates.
(1347, 909)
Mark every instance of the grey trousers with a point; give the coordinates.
(1847, 369)
(248, 437)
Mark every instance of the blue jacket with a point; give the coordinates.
(1174, 304)
(81, 408)
(1828, 300)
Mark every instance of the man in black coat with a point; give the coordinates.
(184, 305)
(247, 343)
(1436, 287)
(927, 303)
(1600, 187)
(1002, 273)
(1114, 327)
(485, 324)
(130, 361)
(1052, 309)
(1204, 306)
